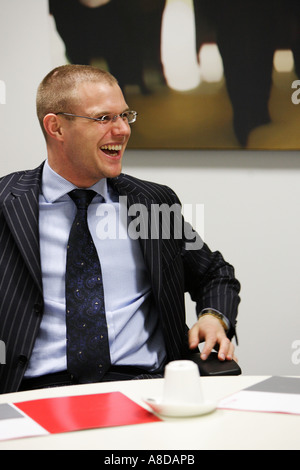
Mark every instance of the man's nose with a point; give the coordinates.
(120, 125)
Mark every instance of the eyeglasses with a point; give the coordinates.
(127, 116)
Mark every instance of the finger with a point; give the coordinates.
(226, 350)
(208, 347)
(193, 336)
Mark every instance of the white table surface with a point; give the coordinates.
(221, 429)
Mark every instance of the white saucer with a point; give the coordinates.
(184, 409)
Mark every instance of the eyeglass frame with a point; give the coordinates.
(101, 119)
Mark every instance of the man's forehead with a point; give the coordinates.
(100, 97)
(90, 86)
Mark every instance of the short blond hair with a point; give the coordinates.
(57, 91)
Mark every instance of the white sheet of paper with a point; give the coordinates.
(262, 401)
(15, 424)
(274, 395)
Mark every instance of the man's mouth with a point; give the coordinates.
(111, 150)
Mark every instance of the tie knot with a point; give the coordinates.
(82, 197)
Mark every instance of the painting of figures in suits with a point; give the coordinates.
(202, 74)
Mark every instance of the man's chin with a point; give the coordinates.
(112, 171)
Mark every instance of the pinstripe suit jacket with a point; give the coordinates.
(172, 269)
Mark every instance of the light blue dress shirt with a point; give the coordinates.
(133, 326)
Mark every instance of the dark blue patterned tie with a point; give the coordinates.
(87, 338)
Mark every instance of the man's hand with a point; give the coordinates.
(210, 330)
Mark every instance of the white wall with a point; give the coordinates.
(251, 198)
(24, 61)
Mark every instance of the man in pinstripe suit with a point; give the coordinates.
(86, 123)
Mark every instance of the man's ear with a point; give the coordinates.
(52, 125)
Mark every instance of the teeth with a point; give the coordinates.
(111, 147)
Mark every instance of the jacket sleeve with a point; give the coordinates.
(211, 281)
(208, 277)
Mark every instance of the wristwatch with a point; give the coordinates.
(217, 315)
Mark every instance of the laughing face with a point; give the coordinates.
(89, 150)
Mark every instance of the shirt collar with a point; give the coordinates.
(55, 186)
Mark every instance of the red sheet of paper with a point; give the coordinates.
(65, 414)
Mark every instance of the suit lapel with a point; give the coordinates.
(151, 246)
(21, 212)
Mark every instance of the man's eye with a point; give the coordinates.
(105, 118)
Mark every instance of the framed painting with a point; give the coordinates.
(202, 74)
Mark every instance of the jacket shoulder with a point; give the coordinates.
(8, 182)
(22, 180)
(155, 192)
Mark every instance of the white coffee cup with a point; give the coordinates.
(182, 383)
